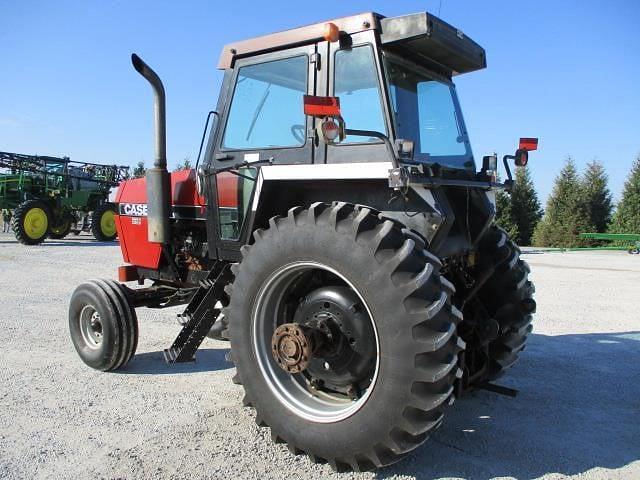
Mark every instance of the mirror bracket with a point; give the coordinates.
(404, 148)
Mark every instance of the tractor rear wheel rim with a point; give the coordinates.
(35, 223)
(294, 390)
(91, 327)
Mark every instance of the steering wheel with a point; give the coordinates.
(298, 133)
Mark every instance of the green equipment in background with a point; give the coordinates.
(51, 196)
(631, 239)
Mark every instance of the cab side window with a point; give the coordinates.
(356, 83)
(266, 110)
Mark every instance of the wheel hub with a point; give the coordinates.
(91, 327)
(35, 223)
(292, 346)
(343, 362)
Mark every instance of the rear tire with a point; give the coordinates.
(31, 222)
(103, 324)
(103, 224)
(400, 292)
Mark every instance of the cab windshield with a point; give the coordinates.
(425, 110)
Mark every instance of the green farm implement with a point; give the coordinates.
(51, 197)
(630, 240)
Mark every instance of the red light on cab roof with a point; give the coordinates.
(321, 106)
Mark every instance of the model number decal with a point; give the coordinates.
(133, 209)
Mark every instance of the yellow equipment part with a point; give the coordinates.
(108, 223)
(36, 223)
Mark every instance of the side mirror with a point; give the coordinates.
(524, 147)
(522, 157)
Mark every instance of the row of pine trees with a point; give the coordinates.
(579, 203)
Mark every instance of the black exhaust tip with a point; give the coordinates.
(137, 62)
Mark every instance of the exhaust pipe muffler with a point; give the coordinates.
(158, 184)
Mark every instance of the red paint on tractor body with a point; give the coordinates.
(227, 184)
(132, 229)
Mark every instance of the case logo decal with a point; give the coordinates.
(133, 209)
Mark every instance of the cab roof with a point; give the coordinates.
(421, 35)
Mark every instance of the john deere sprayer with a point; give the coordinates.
(338, 233)
(52, 196)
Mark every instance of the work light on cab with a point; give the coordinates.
(330, 130)
(331, 126)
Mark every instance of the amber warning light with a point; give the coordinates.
(331, 32)
(321, 106)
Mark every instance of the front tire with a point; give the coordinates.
(507, 297)
(103, 325)
(103, 224)
(364, 271)
(31, 222)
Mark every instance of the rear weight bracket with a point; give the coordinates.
(491, 387)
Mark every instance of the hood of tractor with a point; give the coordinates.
(186, 204)
(131, 220)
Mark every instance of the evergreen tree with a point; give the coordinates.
(627, 216)
(139, 171)
(598, 196)
(567, 212)
(519, 212)
(525, 206)
(503, 214)
(185, 165)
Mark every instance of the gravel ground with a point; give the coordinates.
(577, 413)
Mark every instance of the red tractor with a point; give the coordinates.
(337, 234)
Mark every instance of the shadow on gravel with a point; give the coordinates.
(152, 363)
(578, 409)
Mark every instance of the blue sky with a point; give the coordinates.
(565, 71)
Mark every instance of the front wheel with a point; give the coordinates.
(103, 223)
(31, 222)
(103, 324)
(346, 344)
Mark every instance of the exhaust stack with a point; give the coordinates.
(158, 185)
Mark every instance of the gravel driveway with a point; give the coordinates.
(577, 414)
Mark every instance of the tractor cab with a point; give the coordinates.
(391, 75)
(394, 105)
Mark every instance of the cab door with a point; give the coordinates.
(262, 118)
(354, 74)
